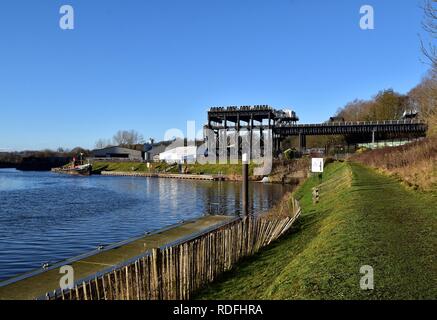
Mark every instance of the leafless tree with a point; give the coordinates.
(102, 143)
(424, 98)
(429, 24)
(127, 138)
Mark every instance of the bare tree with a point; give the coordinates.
(387, 104)
(429, 24)
(102, 143)
(424, 98)
(127, 138)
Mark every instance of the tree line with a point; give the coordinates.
(123, 138)
(389, 104)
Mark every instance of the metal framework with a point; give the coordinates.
(283, 123)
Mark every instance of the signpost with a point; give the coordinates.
(317, 165)
(245, 184)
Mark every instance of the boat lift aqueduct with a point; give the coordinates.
(284, 123)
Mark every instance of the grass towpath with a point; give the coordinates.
(363, 218)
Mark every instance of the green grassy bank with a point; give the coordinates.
(161, 167)
(363, 218)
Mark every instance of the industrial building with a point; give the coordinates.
(118, 153)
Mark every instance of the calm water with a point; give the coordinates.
(45, 217)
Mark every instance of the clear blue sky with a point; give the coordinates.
(151, 65)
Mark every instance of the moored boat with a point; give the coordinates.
(81, 170)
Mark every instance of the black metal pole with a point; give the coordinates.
(245, 184)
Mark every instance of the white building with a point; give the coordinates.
(179, 154)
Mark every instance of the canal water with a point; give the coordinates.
(47, 217)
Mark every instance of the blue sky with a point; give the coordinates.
(151, 65)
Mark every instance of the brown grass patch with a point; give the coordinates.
(284, 208)
(415, 164)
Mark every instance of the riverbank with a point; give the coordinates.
(204, 177)
(41, 283)
(363, 218)
(288, 172)
(229, 170)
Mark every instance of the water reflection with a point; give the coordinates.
(225, 197)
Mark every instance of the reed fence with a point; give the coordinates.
(178, 270)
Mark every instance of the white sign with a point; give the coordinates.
(317, 165)
(244, 158)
